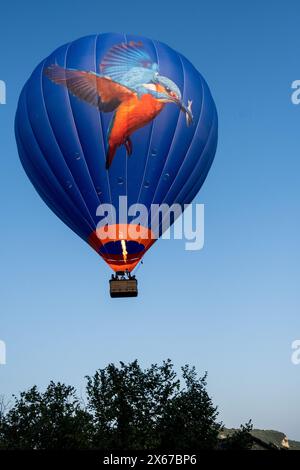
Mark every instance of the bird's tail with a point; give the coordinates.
(110, 155)
(128, 146)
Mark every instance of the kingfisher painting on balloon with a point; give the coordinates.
(130, 86)
(114, 115)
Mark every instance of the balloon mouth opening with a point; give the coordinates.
(122, 246)
(118, 248)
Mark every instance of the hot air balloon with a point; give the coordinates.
(110, 116)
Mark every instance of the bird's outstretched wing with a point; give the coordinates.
(102, 92)
(129, 64)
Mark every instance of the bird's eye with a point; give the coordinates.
(168, 89)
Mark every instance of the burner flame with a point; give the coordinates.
(124, 251)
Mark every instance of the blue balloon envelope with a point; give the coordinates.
(110, 118)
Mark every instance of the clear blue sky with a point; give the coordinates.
(232, 308)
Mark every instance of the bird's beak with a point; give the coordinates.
(188, 111)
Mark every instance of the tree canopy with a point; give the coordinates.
(125, 407)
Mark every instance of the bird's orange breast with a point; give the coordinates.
(133, 114)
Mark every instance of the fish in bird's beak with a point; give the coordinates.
(188, 112)
(172, 97)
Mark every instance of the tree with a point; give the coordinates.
(241, 439)
(3, 409)
(127, 403)
(190, 419)
(50, 420)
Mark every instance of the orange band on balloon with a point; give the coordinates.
(117, 232)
